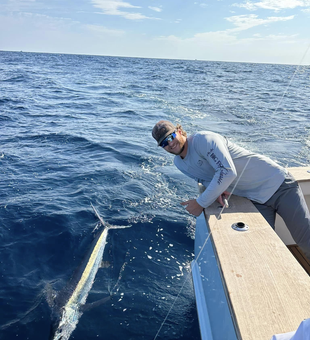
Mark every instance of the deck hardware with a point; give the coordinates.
(240, 226)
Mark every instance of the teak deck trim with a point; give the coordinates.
(268, 290)
(300, 257)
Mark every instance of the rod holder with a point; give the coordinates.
(240, 226)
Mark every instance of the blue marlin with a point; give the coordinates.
(71, 301)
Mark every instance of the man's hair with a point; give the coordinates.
(179, 127)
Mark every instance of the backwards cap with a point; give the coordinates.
(161, 130)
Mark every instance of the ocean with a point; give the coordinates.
(76, 130)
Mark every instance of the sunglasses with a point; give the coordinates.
(168, 139)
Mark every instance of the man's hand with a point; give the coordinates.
(193, 207)
(220, 199)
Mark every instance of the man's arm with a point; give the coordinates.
(194, 208)
(212, 147)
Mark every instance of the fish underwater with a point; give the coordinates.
(70, 303)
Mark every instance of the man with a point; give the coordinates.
(221, 165)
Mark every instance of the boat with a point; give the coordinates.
(251, 282)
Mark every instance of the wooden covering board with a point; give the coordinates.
(301, 174)
(268, 290)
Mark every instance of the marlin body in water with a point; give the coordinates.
(70, 303)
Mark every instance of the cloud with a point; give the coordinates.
(42, 33)
(215, 37)
(275, 5)
(11, 6)
(199, 39)
(223, 45)
(43, 22)
(282, 37)
(156, 9)
(201, 4)
(112, 7)
(244, 22)
(229, 37)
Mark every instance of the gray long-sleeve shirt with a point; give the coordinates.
(219, 164)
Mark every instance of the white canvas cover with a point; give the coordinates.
(302, 333)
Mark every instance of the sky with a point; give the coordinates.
(262, 31)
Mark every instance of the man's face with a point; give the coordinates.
(176, 146)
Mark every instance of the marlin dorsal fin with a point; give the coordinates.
(99, 217)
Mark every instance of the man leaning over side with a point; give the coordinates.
(220, 165)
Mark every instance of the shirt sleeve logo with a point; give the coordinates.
(220, 166)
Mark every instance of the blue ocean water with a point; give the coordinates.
(77, 129)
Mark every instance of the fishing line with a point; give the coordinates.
(224, 207)
(202, 248)
(174, 301)
(288, 86)
(116, 286)
(120, 275)
(185, 281)
(218, 217)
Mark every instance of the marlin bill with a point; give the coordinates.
(69, 304)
